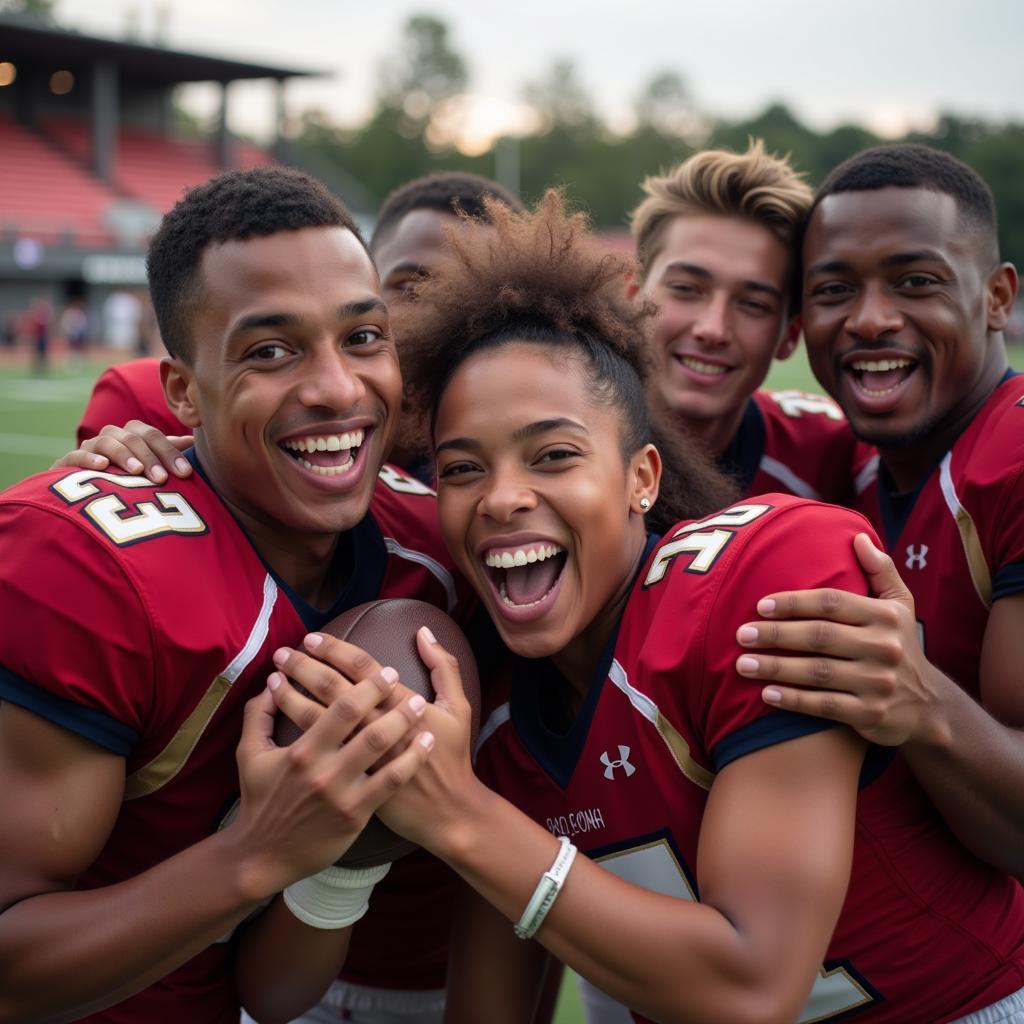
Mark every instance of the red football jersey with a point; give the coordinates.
(129, 391)
(793, 442)
(160, 619)
(927, 933)
(958, 541)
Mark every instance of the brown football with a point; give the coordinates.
(386, 630)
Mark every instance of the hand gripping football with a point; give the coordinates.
(386, 630)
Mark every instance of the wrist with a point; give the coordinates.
(334, 898)
(936, 724)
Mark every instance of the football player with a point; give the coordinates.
(715, 242)
(905, 302)
(737, 862)
(139, 620)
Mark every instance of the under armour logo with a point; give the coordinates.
(916, 559)
(623, 762)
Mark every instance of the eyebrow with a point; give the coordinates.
(520, 434)
(898, 259)
(702, 272)
(349, 310)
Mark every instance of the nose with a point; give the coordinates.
(874, 314)
(329, 379)
(506, 494)
(712, 325)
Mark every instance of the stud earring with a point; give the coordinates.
(645, 504)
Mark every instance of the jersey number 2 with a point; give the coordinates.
(168, 513)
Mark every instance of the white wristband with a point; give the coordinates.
(548, 888)
(335, 897)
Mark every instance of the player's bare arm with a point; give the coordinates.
(488, 966)
(626, 939)
(65, 953)
(136, 448)
(858, 660)
(285, 965)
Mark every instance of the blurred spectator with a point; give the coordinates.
(122, 316)
(74, 328)
(38, 324)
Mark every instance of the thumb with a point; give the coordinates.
(444, 670)
(881, 571)
(258, 724)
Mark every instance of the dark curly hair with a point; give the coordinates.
(903, 165)
(540, 278)
(231, 207)
(445, 191)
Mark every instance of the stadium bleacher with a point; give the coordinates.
(46, 193)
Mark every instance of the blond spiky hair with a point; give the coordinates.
(754, 185)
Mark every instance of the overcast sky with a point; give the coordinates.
(887, 63)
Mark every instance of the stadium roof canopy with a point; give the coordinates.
(28, 40)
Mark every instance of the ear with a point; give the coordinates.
(791, 338)
(634, 281)
(1000, 293)
(645, 473)
(178, 380)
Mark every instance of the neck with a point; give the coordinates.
(305, 561)
(579, 659)
(909, 465)
(715, 434)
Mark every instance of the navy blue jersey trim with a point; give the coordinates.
(1009, 580)
(777, 727)
(89, 723)
(742, 458)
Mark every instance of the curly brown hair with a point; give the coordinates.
(540, 277)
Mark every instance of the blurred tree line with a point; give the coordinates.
(422, 91)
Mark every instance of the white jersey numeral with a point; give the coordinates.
(795, 403)
(169, 513)
(401, 483)
(654, 866)
(706, 539)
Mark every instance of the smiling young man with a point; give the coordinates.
(139, 619)
(715, 241)
(905, 302)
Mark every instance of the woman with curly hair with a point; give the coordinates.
(741, 863)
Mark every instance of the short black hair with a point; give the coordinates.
(903, 165)
(234, 206)
(445, 191)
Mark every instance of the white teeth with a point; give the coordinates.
(328, 470)
(521, 556)
(503, 590)
(327, 442)
(701, 367)
(879, 365)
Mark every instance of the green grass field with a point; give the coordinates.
(38, 417)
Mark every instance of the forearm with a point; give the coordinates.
(972, 767)
(283, 966)
(670, 959)
(66, 954)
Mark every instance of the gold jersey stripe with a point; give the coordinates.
(976, 564)
(166, 765)
(677, 746)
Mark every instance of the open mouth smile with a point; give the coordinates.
(879, 377)
(526, 578)
(326, 454)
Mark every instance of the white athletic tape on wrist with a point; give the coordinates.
(548, 888)
(335, 897)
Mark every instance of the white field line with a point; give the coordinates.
(35, 444)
